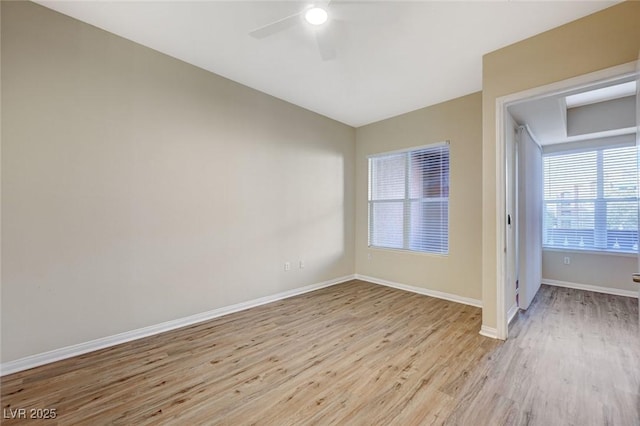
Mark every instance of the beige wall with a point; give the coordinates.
(602, 40)
(458, 121)
(138, 189)
(602, 270)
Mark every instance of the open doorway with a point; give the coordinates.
(592, 118)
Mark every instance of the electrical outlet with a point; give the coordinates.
(301, 264)
(287, 266)
(567, 260)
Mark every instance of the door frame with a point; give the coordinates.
(502, 103)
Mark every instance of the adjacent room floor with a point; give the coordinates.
(359, 353)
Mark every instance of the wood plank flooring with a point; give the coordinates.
(362, 354)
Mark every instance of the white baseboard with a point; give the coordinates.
(105, 342)
(588, 287)
(489, 332)
(433, 293)
(512, 313)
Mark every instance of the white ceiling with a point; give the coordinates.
(391, 57)
(602, 94)
(547, 117)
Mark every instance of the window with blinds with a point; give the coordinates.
(591, 200)
(409, 200)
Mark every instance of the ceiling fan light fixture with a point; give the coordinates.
(316, 16)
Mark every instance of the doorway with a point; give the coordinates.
(509, 285)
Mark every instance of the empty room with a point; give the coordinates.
(288, 213)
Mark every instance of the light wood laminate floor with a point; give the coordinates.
(362, 354)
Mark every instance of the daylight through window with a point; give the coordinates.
(591, 200)
(409, 200)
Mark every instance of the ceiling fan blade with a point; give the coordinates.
(326, 46)
(277, 26)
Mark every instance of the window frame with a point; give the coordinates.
(600, 201)
(407, 200)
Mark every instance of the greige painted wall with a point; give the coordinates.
(459, 121)
(602, 270)
(605, 39)
(138, 189)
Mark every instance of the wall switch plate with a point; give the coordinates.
(301, 264)
(567, 260)
(287, 266)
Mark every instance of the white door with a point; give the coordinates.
(511, 289)
(636, 276)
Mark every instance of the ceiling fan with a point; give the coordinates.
(316, 16)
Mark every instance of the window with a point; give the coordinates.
(591, 200)
(409, 200)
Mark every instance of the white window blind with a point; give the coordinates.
(409, 200)
(591, 200)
